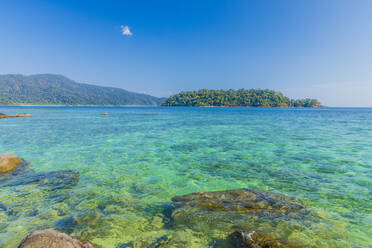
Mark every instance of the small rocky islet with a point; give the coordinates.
(4, 116)
(236, 212)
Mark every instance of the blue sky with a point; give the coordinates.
(320, 49)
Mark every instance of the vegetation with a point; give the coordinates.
(49, 89)
(242, 97)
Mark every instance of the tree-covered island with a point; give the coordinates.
(237, 98)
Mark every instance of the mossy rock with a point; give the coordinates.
(237, 201)
(211, 212)
(252, 239)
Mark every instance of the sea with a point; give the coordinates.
(111, 179)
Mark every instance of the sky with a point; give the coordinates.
(319, 49)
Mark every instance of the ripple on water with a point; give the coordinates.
(133, 163)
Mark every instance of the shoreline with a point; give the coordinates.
(108, 106)
(31, 105)
(225, 106)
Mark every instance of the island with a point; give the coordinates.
(237, 98)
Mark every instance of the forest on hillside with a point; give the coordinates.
(51, 89)
(235, 98)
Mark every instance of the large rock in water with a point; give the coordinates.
(237, 201)
(9, 162)
(50, 238)
(266, 213)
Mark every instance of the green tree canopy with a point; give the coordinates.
(233, 98)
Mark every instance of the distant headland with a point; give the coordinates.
(237, 98)
(58, 90)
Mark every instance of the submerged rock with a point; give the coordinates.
(238, 200)
(9, 162)
(249, 209)
(241, 239)
(54, 179)
(50, 238)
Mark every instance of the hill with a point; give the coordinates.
(234, 98)
(50, 89)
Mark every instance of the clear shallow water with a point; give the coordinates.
(133, 161)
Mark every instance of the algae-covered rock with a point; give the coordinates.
(238, 201)
(252, 239)
(251, 209)
(9, 162)
(50, 238)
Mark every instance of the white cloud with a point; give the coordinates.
(126, 31)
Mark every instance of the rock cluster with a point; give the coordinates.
(241, 210)
(15, 175)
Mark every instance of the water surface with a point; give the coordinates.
(133, 161)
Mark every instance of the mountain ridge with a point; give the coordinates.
(55, 89)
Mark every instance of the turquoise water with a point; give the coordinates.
(133, 161)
